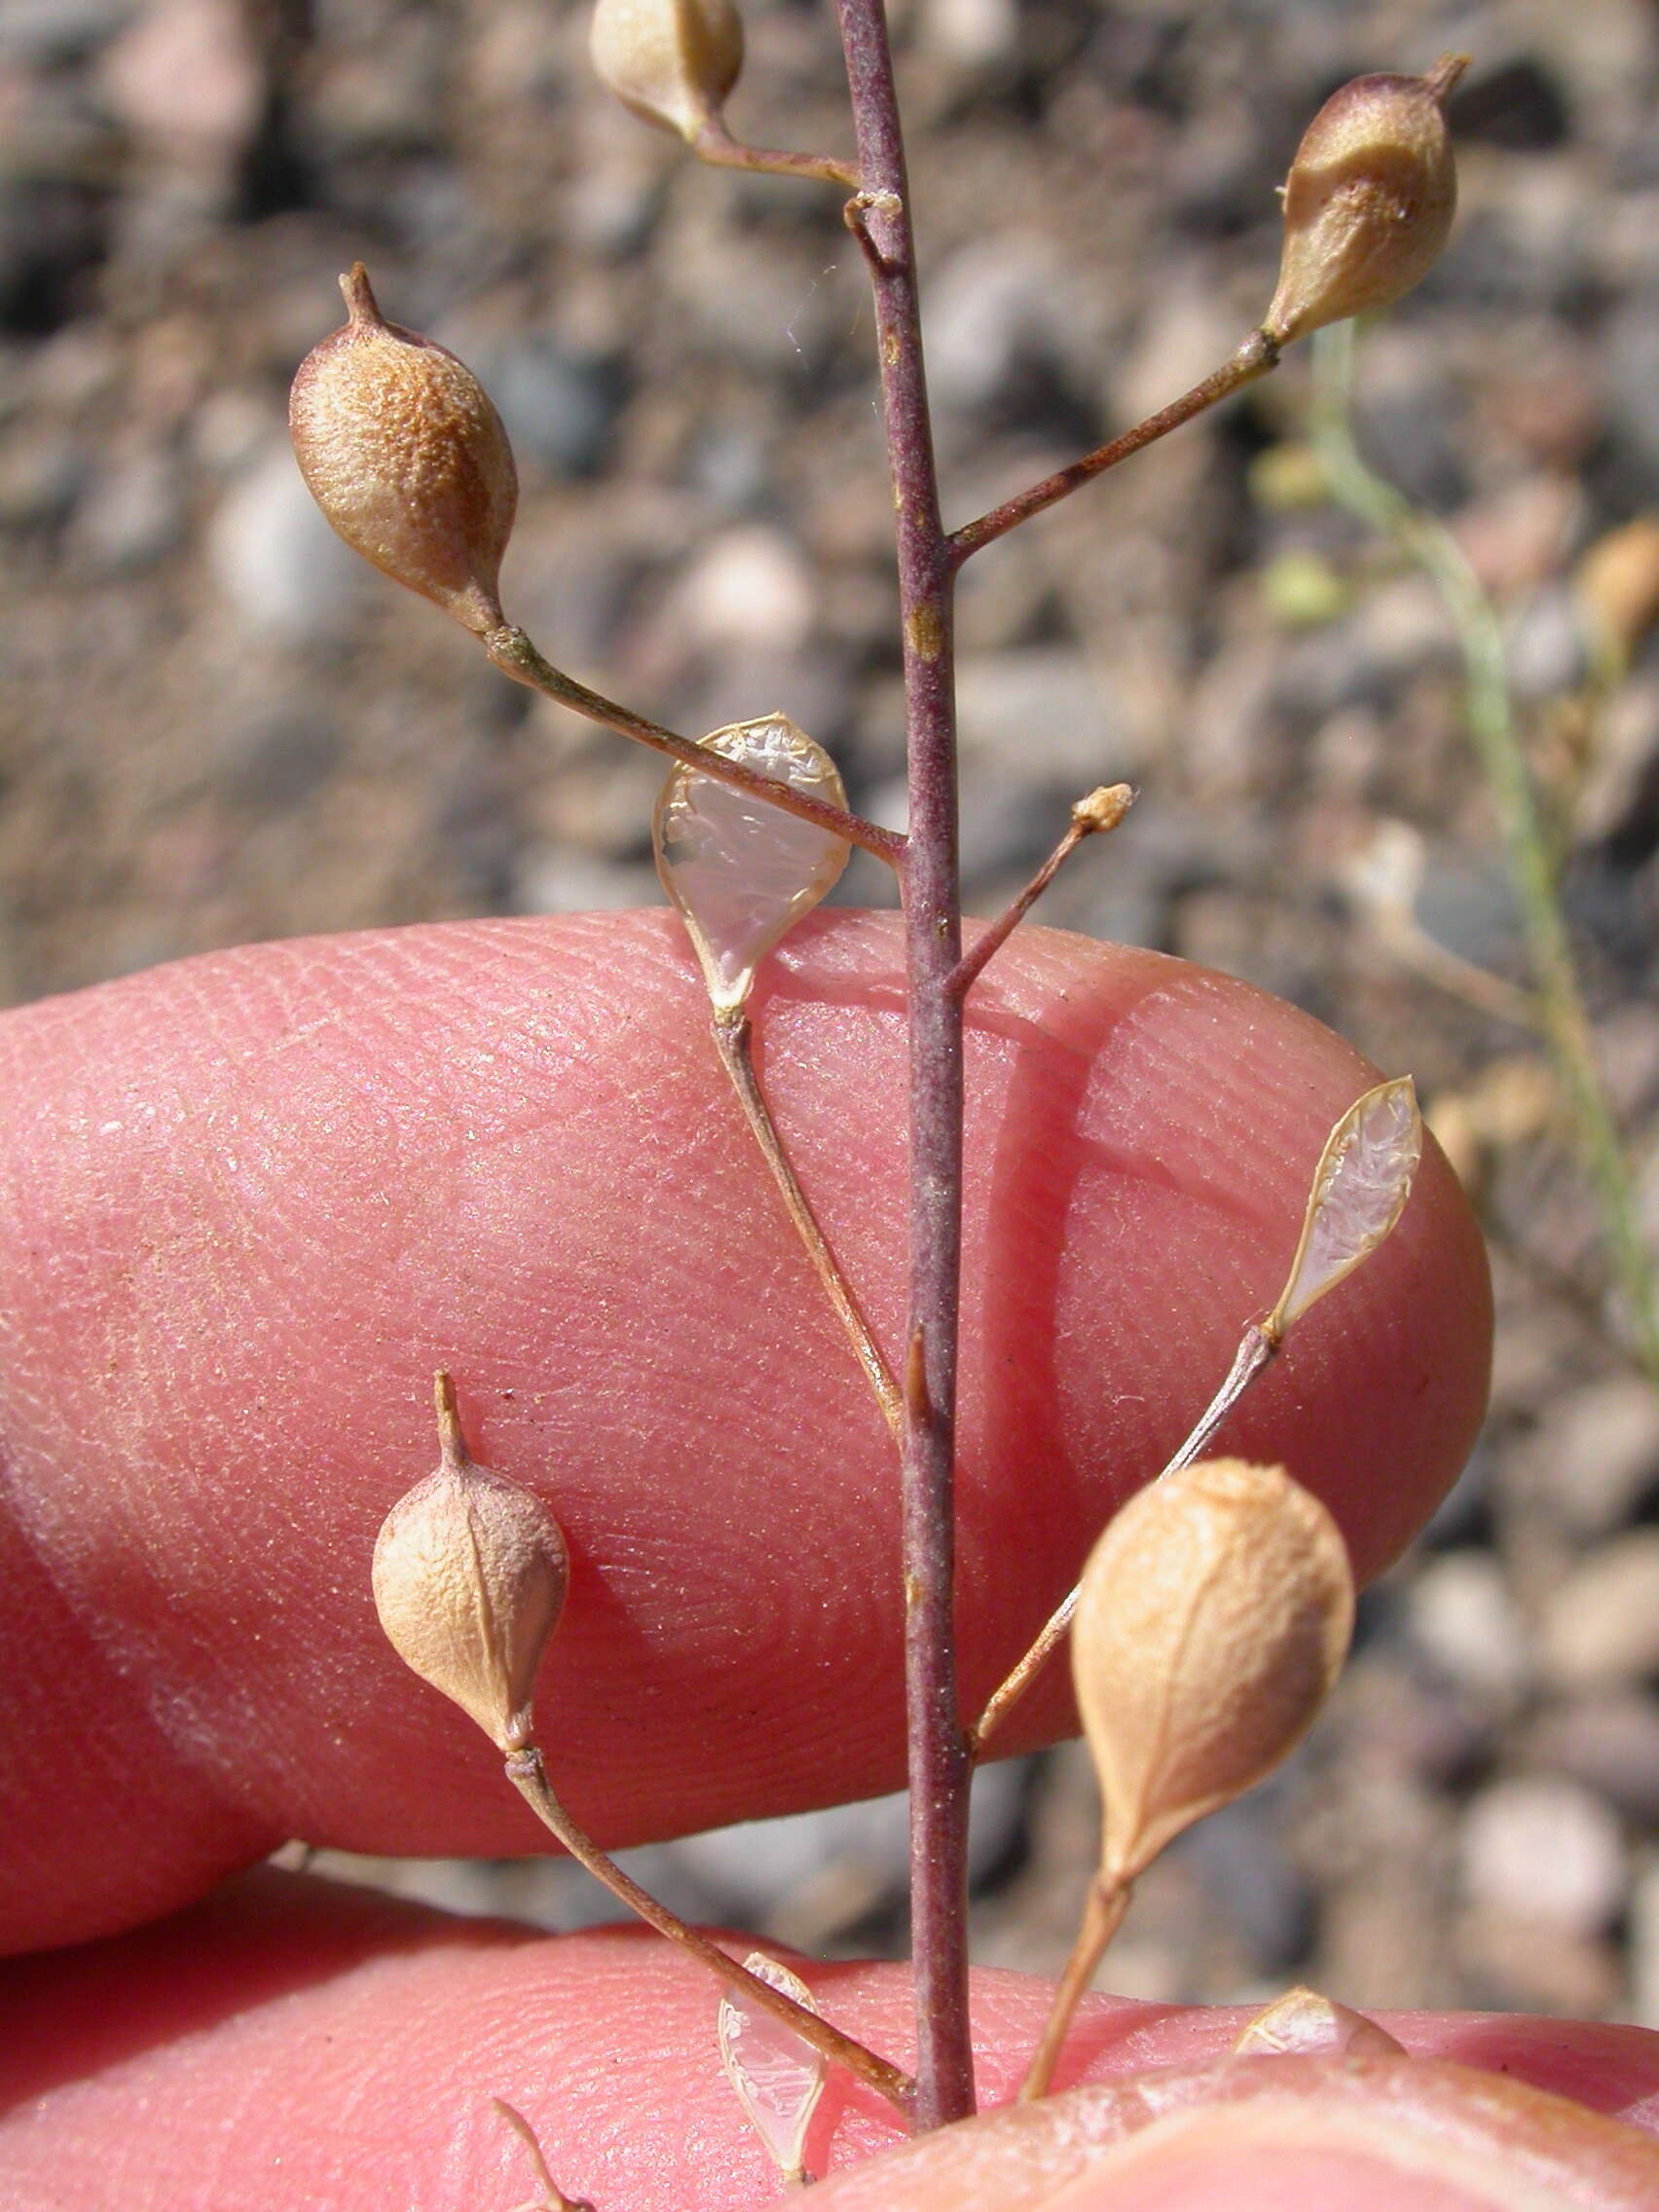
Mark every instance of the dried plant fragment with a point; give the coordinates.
(1212, 1619)
(1359, 1192)
(552, 2197)
(673, 62)
(740, 871)
(1310, 2025)
(1369, 200)
(778, 2079)
(470, 1580)
(402, 450)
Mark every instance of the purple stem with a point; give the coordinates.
(940, 1767)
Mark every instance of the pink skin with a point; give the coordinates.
(248, 1204)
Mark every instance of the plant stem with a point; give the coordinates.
(1256, 1348)
(1255, 356)
(940, 1769)
(716, 145)
(1103, 809)
(529, 1776)
(731, 1034)
(1491, 714)
(1103, 1908)
(511, 651)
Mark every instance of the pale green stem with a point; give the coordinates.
(1490, 713)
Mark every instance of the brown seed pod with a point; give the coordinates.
(1211, 1621)
(672, 61)
(1369, 200)
(401, 449)
(470, 1580)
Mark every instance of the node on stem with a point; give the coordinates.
(402, 450)
(469, 1578)
(1369, 200)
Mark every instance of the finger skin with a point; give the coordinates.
(286, 2043)
(247, 1203)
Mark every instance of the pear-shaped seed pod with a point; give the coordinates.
(1211, 1621)
(1368, 202)
(672, 61)
(401, 449)
(470, 1580)
(1305, 2023)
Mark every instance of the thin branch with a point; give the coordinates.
(940, 1772)
(716, 145)
(1256, 1348)
(1254, 358)
(1491, 716)
(731, 1034)
(511, 651)
(1103, 1910)
(529, 1776)
(1100, 811)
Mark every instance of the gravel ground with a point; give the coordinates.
(216, 727)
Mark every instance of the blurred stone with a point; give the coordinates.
(1594, 1455)
(132, 512)
(1043, 704)
(1541, 1849)
(1461, 1614)
(1630, 341)
(1645, 1949)
(745, 588)
(996, 325)
(1509, 1962)
(58, 30)
(1611, 1743)
(551, 879)
(187, 74)
(1600, 1623)
(1547, 650)
(40, 476)
(277, 562)
(559, 410)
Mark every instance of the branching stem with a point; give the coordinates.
(1103, 1908)
(511, 651)
(731, 1035)
(1256, 1348)
(940, 1770)
(1254, 358)
(1102, 810)
(716, 145)
(529, 1776)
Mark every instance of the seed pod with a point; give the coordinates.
(1305, 2023)
(401, 449)
(672, 61)
(1369, 200)
(1211, 1621)
(470, 1580)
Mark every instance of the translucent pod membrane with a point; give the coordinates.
(1360, 1188)
(1304, 2023)
(778, 2079)
(743, 873)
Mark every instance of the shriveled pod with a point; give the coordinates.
(742, 872)
(1211, 1622)
(778, 2078)
(672, 61)
(469, 1578)
(1369, 200)
(1359, 1191)
(1305, 2023)
(402, 450)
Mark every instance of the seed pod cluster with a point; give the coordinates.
(469, 1577)
(402, 450)
(1368, 202)
(672, 61)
